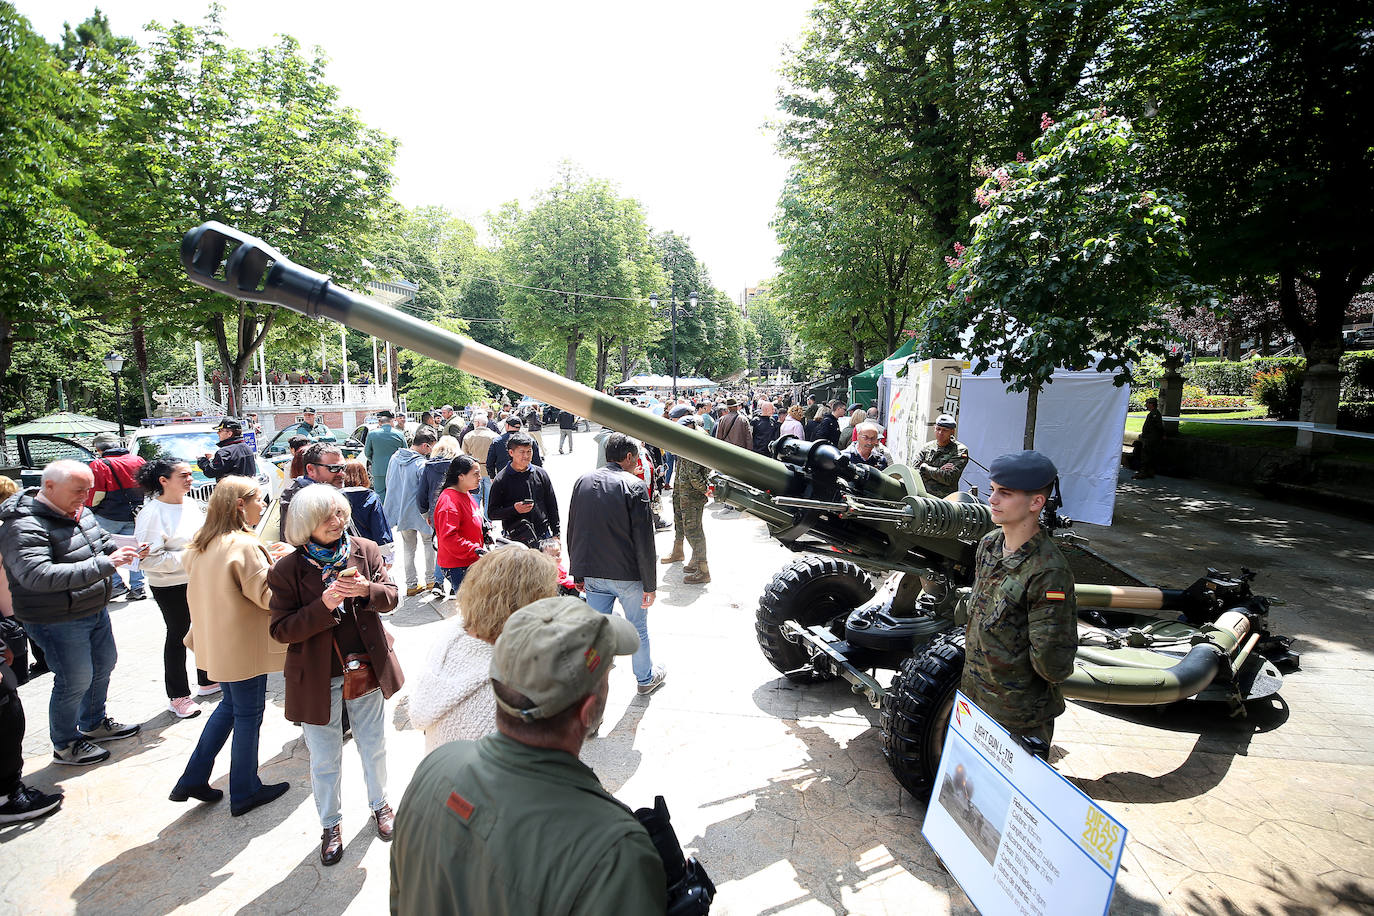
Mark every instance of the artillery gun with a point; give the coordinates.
(822, 616)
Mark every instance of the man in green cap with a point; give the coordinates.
(515, 823)
(1023, 619)
(308, 427)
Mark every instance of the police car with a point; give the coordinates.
(188, 439)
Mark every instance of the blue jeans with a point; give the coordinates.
(669, 462)
(81, 654)
(484, 494)
(602, 595)
(325, 742)
(136, 575)
(453, 575)
(240, 712)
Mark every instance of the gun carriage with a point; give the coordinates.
(823, 616)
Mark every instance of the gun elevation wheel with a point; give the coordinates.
(813, 591)
(916, 710)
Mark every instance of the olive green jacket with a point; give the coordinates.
(931, 458)
(1022, 632)
(495, 827)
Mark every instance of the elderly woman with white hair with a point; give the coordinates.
(326, 598)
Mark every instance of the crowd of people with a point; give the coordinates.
(509, 694)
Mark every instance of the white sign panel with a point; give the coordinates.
(1020, 839)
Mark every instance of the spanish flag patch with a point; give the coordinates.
(1054, 596)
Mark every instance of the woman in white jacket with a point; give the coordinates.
(453, 699)
(165, 525)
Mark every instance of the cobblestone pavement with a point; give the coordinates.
(782, 790)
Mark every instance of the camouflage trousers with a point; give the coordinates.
(687, 524)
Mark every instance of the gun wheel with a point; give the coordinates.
(916, 709)
(813, 591)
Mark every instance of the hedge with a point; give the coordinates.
(1236, 378)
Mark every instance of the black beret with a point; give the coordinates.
(1022, 471)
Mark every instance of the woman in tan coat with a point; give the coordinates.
(229, 598)
(325, 600)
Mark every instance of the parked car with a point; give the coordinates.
(276, 450)
(189, 441)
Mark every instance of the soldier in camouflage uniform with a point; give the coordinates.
(1022, 627)
(942, 460)
(689, 500)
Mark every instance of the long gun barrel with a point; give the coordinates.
(257, 272)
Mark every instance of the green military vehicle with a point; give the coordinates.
(824, 616)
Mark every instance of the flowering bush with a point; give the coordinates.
(1218, 400)
(1280, 391)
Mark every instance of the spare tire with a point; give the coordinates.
(813, 591)
(916, 708)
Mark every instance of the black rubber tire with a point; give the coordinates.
(812, 591)
(915, 711)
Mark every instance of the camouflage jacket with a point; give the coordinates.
(690, 481)
(1022, 631)
(931, 458)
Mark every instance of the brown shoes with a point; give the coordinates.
(332, 845)
(698, 576)
(676, 556)
(415, 590)
(386, 822)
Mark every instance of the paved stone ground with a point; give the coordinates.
(782, 790)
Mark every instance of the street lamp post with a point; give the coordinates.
(113, 364)
(673, 310)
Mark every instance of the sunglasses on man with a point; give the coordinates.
(332, 468)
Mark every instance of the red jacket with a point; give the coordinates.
(116, 471)
(457, 528)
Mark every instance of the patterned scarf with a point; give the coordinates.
(330, 559)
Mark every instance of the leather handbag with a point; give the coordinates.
(359, 677)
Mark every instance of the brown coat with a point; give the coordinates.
(228, 596)
(300, 619)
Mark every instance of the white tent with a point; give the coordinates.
(1079, 419)
(665, 381)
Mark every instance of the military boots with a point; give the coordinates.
(676, 556)
(699, 575)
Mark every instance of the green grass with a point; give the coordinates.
(1256, 435)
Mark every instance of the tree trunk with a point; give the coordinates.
(6, 354)
(624, 358)
(603, 353)
(570, 371)
(141, 358)
(1032, 405)
(1233, 349)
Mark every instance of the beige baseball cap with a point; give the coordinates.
(554, 651)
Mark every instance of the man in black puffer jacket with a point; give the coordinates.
(59, 562)
(233, 457)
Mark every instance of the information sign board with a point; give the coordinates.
(1019, 838)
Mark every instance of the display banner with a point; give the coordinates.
(1019, 838)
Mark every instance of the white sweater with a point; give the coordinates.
(167, 529)
(452, 699)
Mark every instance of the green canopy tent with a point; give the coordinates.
(64, 423)
(863, 387)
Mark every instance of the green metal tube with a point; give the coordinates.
(1143, 686)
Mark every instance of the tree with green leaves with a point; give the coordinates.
(427, 382)
(581, 265)
(906, 97)
(853, 270)
(47, 242)
(1261, 121)
(204, 130)
(1073, 261)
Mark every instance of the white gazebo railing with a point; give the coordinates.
(186, 399)
(287, 397)
(181, 399)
